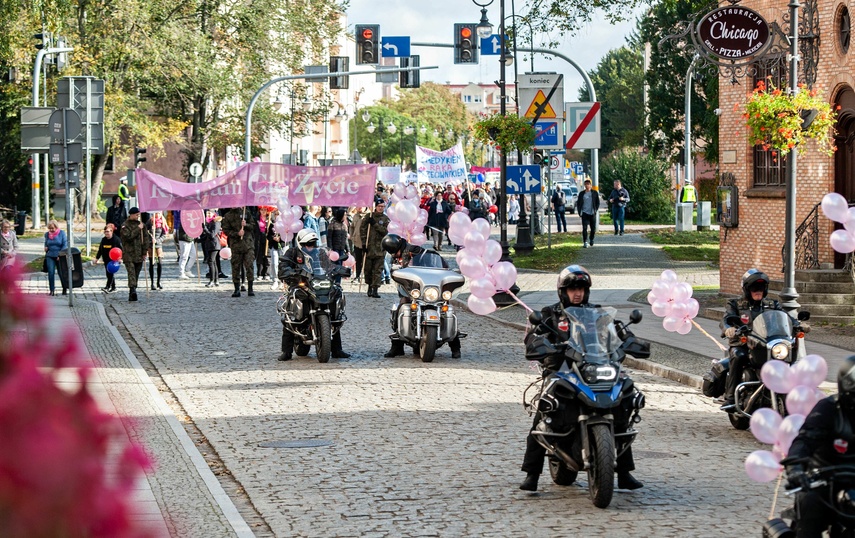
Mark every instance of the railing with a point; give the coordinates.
(807, 244)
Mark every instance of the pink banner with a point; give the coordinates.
(258, 183)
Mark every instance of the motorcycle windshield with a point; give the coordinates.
(428, 258)
(592, 332)
(318, 262)
(772, 323)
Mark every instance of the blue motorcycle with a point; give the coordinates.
(586, 404)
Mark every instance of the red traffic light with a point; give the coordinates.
(466, 32)
(367, 33)
(30, 161)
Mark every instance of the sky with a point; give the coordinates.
(433, 22)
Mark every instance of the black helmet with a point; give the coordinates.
(754, 278)
(573, 276)
(846, 380)
(393, 244)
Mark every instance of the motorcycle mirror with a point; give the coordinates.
(635, 316)
(803, 315)
(535, 318)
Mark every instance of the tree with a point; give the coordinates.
(619, 80)
(570, 16)
(645, 179)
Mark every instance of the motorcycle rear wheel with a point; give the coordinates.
(561, 474)
(324, 334)
(601, 474)
(427, 346)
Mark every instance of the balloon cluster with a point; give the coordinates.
(835, 207)
(406, 218)
(673, 301)
(478, 260)
(289, 220)
(799, 382)
(114, 264)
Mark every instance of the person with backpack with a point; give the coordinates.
(559, 203)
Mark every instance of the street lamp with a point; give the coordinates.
(371, 128)
(277, 106)
(408, 130)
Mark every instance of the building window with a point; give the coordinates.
(467, 98)
(477, 98)
(844, 29)
(770, 165)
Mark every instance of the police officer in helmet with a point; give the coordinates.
(574, 290)
(825, 439)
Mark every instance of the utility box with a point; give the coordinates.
(684, 217)
(76, 271)
(20, 223)
(703, 219)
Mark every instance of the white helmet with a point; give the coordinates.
(306, 236)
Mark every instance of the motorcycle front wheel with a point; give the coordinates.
(427, 347)
(561, 474)
(323, 331)
(601, 474)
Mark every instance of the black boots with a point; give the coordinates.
(627, 481)
(249, 292)
(132, 295)
(237, 291)
(337, 351)
(530, 482)
(284, 356)
(396, 350)
(373, 292)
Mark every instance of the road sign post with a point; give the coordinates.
(64, 125)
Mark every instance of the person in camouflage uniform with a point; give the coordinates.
(240, 228)
(372, 231)
(133, 249)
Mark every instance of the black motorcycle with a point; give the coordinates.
(838, 485)
(582, 387)
(312, 304)
(771, 336)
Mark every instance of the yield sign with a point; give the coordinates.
(540, 103)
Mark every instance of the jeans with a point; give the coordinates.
(187, 257)
(387, 267)
(560, 219)
(274, 262)
(52, 268)
(618, 213)
(587, 222)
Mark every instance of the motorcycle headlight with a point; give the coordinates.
(415, 294)
(594, 373)
(323, 284)
(431, 294)
(780, 351)
(446, 296)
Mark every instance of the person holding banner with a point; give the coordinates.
(240, 232)
(134, 251)
(372, 232)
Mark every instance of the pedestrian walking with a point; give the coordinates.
(108, 243)
(559, 203)
(117, 213)
(373, 230)
(356, 235)
(157, 228)
(134, 251)
(438, 213)
(211, 243)
(618, 200)
(241, 234)
(587, 206)
(55, 241)
(187, 249)
(261, 245)
(8, 244)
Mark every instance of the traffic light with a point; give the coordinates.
(465, 47)
(62, 57)
(367, 38)
(139, 156)
(539, 156)
(339, 64)
(30, 165)
(45, 38)
(409, 79)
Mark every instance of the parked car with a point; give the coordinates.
(571, 194)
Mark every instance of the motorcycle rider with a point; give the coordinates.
(574, 290)
(755, 287)
(294, 258)
(827, 439)
(404, 253)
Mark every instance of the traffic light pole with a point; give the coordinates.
(247, 148)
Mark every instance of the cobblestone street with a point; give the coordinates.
(420, 449)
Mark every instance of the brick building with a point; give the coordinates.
(761, 175)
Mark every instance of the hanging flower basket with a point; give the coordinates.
(776, 119)
(506, 133)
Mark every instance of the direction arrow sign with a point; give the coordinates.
(491, 46)
(523, 179)
(395, 46)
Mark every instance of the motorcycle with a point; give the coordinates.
(312, 304)
(771, 336)
(581, 387)
(425, 317)
(838, 482)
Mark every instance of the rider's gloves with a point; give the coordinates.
(730, 332)
(797, 478)
(805, 327)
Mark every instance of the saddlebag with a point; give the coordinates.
(716, 379)
(405, 325)
(447, 326)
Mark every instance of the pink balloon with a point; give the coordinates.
(463, 254)
(295, 226)
(406, 211)
(505, 275)
(472, 267)
(693, 307)
(685, 326)
(283, 203)
(456, 237)
(462, 209)
(835, 207)
(394, 198)
(842, 241)
(350, 261)
(764, 425)
(458, 219)
(333, 256)
(411, 192)
(681, 292)
(395, 228)
(810, 371)
(482, 288)
(850, 221)
(787, 432)
(225, 253)
(762, 466)
(662, 290)
(474, 242)
(418, 239)
(679, 310)
(285, 216)
(651, 298)
(280, 227)
(296, 212)
(421, 219)
(668, 276)
(492, 252)
(661, 308)
(777, 376)
(481, 306)
(801, 399)
(670, 323)
(482, 227)
(776, 451)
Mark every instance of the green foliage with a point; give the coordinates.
(688, 246)
(506, 133)
(570, 16)
(706, 189)
(645, 179)
(619, 80)
(565, 247)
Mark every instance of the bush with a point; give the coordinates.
(706, 187)
(645, 179)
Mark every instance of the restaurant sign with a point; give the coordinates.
(733, 33)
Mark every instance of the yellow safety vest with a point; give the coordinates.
(689, 195)
(124, 193)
